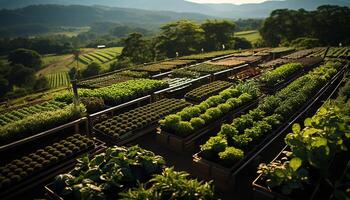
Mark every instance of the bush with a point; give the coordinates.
(305, 42)
(93, 104)
(230, 156)
(92, 69)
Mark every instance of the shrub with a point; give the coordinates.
(93, 104)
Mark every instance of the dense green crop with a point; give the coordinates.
(250, 129)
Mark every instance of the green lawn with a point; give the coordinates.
(252, 36)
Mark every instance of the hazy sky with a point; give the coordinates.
(227, 1)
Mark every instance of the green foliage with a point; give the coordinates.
(39, 122)
(218, 33)
(211, 109)
(197, 123)
(307, 23)
(213, 146)
(118, 93)
(92, 69)
(242, 43)
(25, 57)
(109, 173)
(93, 104)
(171, 185)
(137, 49)
(230, 156)
(288, 174)
(280, 74)
(305, 42)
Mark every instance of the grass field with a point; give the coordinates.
(252, 36)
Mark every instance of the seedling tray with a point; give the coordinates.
(46, 173)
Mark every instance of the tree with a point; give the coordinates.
(4, 86)
(218, 33)
(21, 76)
(328, 24)
(41, 83)
(91, 70)
(25, 57)
(242, 43)
(184, 37)
(136, 49)
(120, 64)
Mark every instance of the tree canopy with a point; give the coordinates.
(329, 24)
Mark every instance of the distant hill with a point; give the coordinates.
(77, 15)
(221, 10)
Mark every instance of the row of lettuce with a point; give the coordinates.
(235, 140)
(35, 119)
(311, 149)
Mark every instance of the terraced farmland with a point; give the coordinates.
(101, 56)
(58, 79)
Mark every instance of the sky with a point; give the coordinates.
(228, 1)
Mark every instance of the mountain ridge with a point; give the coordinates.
(227, 10)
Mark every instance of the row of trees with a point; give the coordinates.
(18, 77)
(328, 24)
(181, 38)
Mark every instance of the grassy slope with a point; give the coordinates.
(252, 36)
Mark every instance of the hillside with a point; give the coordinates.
(220, 10)
(76, 15)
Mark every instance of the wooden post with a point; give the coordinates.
(75, 91)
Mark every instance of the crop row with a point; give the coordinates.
(58, 79)
(104, 81)
(280, 74)
(128, 173)
(302, 53)
(100, 56)
(210, 55)
(203, 92)
(164, 66)
(22, 168)
(247, 131)
(22, 113)
(140, 118)
(38, 122)
(341, 52)
(120, 92)
(192, 119)
(311, 149)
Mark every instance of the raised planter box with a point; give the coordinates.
(191, 142)
(225, 178)
(284, 83)
(50, 171)
(318, 189)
